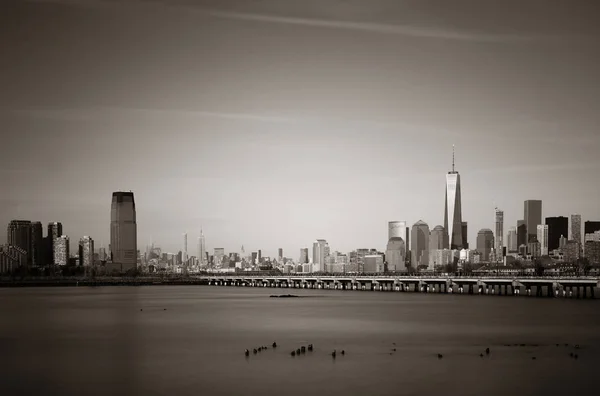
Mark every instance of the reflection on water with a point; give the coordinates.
(190, 340)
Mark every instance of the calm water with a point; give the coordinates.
(96, 341)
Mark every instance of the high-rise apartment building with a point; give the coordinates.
(185, 248)
(453, 209)
(303, 256)
(575, 228)
(61, 250)
(86, 251)
(123, 231)
(557, 227)
(511, 240)
(320, 253)
(420, 244)
(498, 241)
(542, 237)
(533, 218)
(18, 233)
(485, 243)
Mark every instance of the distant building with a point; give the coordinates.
(498, 241)
(55, 230)
(485, 243)
(465, 234)
(123, 231)
(320, 253)
(452, 212)
(521, 233)
(280, 255)
(303, 256)
(37, 244)
(533, 218)
(86, 251)
(373, 264)
(557, 227)
(18, 234)
(185, 248)
(420, 244)
(592, 250)
(562, 242)
(202, 249)
(396, 229)
(61, 250)
(439, 257)
(542, 237)
(591, 226)
(395, 253)
(438, 238)
(571, 252)
(12, 258)
(511, 240)
(218, 255)
(575, 228)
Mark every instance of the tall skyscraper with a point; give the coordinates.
(420, 244)
(485, 243)
(280, 255)
(542, 237)
(55, 230)
(303, 256)
(521, 233)
(320, 254)
(438, 239)
(533, 218)
(499, 243)
(185, 249)
(396, 229)
(123, 231)
(511, 240)
(557, 227)
(465, 234)
(86, 251)
(395, 254)
(18, 233)
(61, 250)
(453, 209)
(202, 248)
(575, 228)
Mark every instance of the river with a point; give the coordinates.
(190, 340)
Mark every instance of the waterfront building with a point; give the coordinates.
(18, 233)
(373, 264)
(86, 251)
(123, 231)
(485, 243)
(320, 253)
(511, 240)
(498, 241)
(395, 253)
(557, 227)
(591, 226)
(439, 258)
(533, 218)
(61, 250)
(420, 244)
(575, 228)
(542, 237)
(452, 210)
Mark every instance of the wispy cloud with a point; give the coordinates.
(368, 27)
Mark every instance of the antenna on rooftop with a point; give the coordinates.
(452, 158)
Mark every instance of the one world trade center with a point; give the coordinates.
(453, 209)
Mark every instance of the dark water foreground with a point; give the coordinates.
(190, 340)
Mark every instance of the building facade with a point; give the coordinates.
(557, 227)
(18, 234)
(533, 218)
(485, 243)
(320, 253)
(542, 237)
(123, 231)
(511, 240)
(373, 264)
(303, 256)
(453, 209)
(395, 254)
(575, 228)
(86, 251)
(61, 250)
(420, 244)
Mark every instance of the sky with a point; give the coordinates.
(274, 123)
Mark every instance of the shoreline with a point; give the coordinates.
(100, 282)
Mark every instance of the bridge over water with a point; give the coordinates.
(576, 287)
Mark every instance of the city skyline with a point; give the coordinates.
(276, 159)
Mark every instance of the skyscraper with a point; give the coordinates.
(591, 226)
(202, 248)
(396, 229)
(557, 227)
(438, 239)
(420, 244)
(533, 218)
(86, 251)
(511, 240)
(521, 233)
(123, 231)
(185, 250)
(542, 237)
(453, 209)
(485, 243)
(320, 253)
(465, 234)
(280, 255)
(575, 228)
(395, 254)
(499, 243)
(303, 256)
(55, 230)
(61, 250)
(18, 233)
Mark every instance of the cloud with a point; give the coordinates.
(368, 27)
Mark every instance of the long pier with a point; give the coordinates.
(576, 287)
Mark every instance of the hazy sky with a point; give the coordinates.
(274, 123)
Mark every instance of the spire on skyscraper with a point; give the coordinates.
(452, 158)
